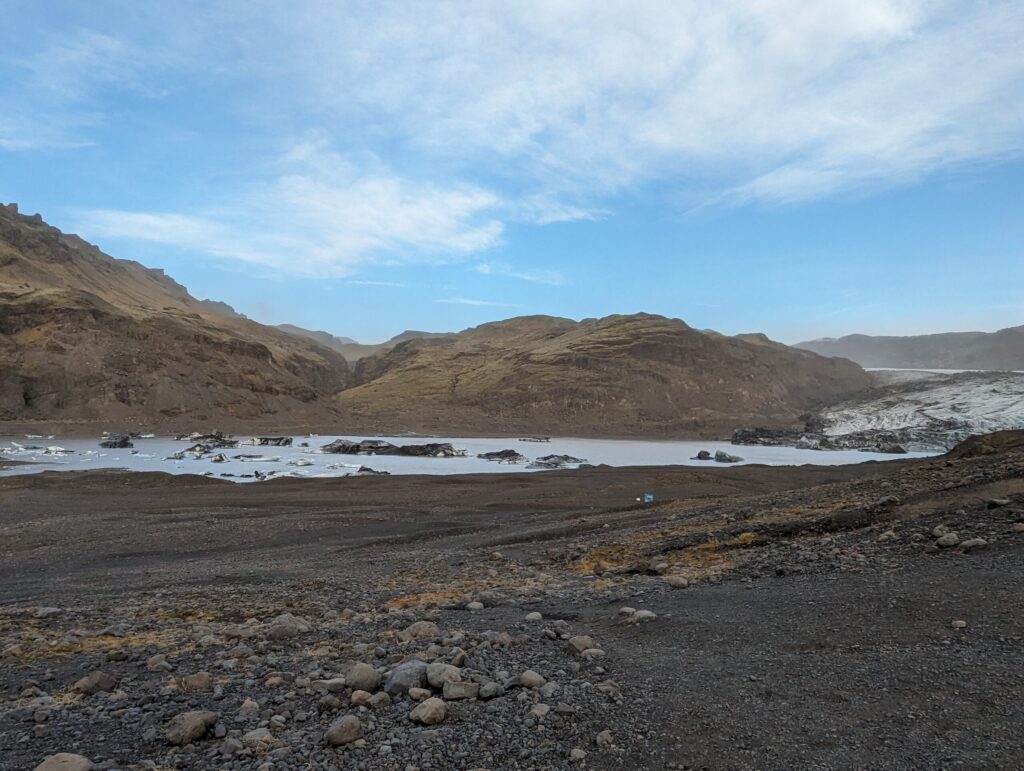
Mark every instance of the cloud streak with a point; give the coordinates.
(779, 102)
(424, 141)
(322, 216)
(478, 303)
(549, 277)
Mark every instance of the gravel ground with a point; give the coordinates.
(849, 617)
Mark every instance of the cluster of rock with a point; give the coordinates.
(117, 442)
(504, 456)
(880, 440)
(269, 441)
(556, 461)
(380, 447)
(514, 457)
(289, 693)
(720, 456)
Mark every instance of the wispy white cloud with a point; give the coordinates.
(536, 112)
(779, 101)
(470, 301)
(395, 284)
(323, 216)
(542, 276)
(73, 66)
(546, 209)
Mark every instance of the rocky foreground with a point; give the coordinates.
(841, 617)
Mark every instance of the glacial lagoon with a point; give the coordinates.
(154, 454)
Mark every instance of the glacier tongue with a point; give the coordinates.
(934, 410)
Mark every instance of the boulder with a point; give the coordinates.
(420, 630)
(380, 700)
(189, 726)
(333, 685)
(948, 540)
(440, 673)
(580, 643)
(259, 738)
(344, 730)
(531, 679)
(362, 677)
(890, 448)
(503, 456)
(95, 682)
(117, 442)
(286, 626)
(429, 712)
(200, 681)
(454, 689)
(411, 674)
(360, 698)
(723, 457)
(65, 761)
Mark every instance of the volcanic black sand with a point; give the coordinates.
(817, 629)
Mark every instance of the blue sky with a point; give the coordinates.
(798, 168)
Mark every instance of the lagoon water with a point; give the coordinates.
(152, 455)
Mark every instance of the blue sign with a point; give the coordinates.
(648, 497)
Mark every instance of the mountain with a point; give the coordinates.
(86, 338)
(89, 339)
(1002, 350)
(620, 375)
(349, 348)
(324, 338)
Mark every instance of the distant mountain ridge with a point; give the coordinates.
(354, 351)
(1002, 350)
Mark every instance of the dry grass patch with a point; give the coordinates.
(102, 645)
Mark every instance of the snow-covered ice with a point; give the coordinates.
(941, 409)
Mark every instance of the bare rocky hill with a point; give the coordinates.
(620, 375)
(1002, 350)
(94, 341)
(88, 338)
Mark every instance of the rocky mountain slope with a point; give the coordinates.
(1002, 350)
(92, 340)
(88, 338)
(620, 375)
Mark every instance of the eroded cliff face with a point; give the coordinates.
(87, 338)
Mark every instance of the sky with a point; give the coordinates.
(803, 168)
